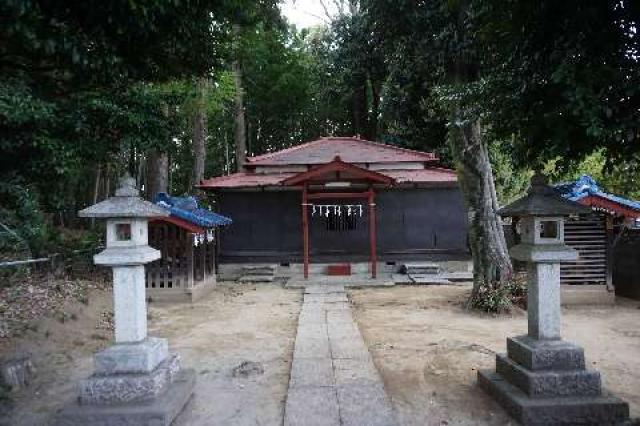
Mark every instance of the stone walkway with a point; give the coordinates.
(333, 379)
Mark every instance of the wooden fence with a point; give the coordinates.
(182, 265)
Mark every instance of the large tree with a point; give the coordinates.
(543, 78)
(447, 51)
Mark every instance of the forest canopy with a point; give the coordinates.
(91, 89)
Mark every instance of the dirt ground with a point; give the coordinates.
(234, 323)
(428, 349)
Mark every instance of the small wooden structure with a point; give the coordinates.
(596, 234)
(187, 241)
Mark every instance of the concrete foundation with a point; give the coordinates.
(582, 295)
(233, 271)
(180, 295)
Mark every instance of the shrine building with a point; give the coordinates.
(338, 201)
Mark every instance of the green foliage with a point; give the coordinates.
(92, 86)
(511, 181)
(218, 105)
(277, 79)
(23, 228)
(562, 76)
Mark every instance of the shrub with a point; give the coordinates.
(501, 297)
(23, 229)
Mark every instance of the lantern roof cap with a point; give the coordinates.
(126, 203)
(542, 200)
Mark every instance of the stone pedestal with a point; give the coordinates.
(133, 384)
(546, 383)
(158, 411)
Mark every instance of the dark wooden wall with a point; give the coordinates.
(412, 224)
(626, 265)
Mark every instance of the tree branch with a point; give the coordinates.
(326, 10)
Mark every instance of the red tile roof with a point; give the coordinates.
(245, 180)
(252, 180)
(323, 151)
(429, 175)
(350, 150)
(347, 171)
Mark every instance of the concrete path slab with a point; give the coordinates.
(312, 406)
(333, 379)
(312, 372)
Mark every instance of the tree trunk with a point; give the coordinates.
(240, 133)
(200, 132)
(360, 112)
(157, 173)
(491, 262)
(375, 109)
(96, 191)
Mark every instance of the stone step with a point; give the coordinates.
(433, 279)
(458, 276)
(549, 383)
(603, 410)
(259, 269)
(256, 279)
(420, 268)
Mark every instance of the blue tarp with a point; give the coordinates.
(585, 186)
(186, 208)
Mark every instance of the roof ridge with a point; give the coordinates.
(431, 155)
(224, 177)
(427, 155)
(444, 169)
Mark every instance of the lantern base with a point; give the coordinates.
(544, 382)
(140, 357)
(535, 354)
(602, 410)
(159, 411)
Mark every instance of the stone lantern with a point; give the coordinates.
(542, 379)
(135, 381)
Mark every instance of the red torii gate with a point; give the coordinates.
(339, 171)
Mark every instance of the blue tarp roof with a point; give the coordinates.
(186, 208)
(586, 186)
